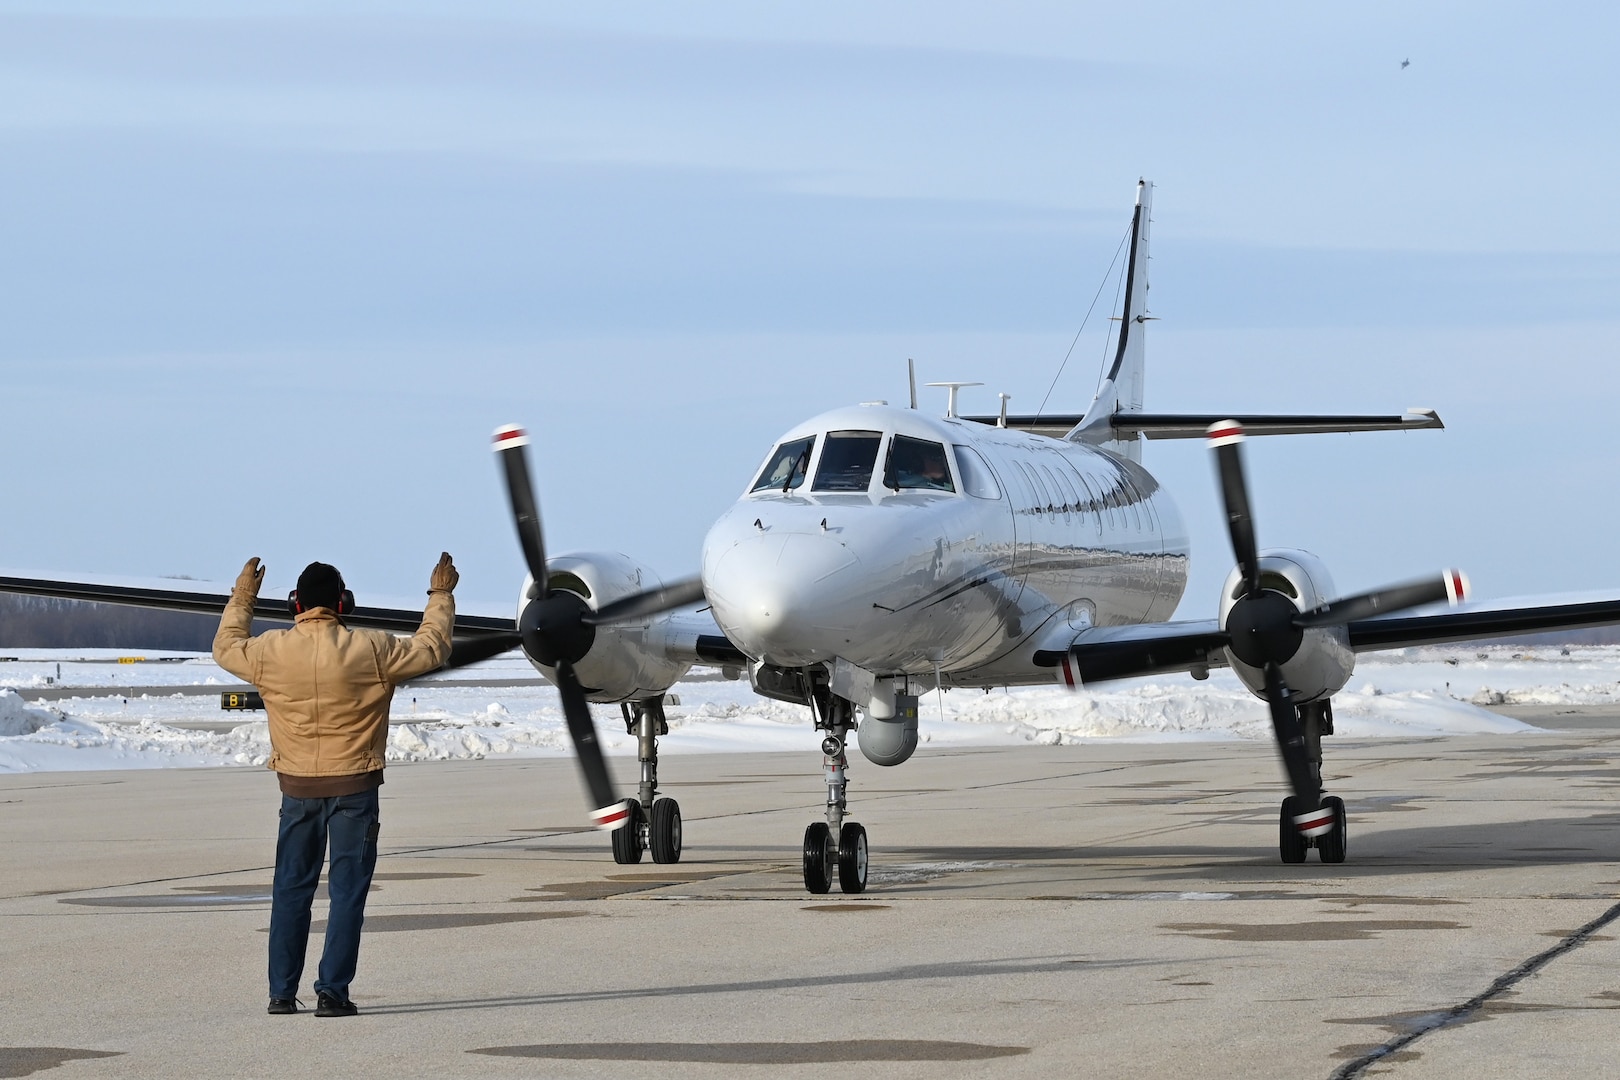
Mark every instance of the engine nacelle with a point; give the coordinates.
(1324, 661)
(628, 660)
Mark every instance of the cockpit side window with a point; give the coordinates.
(787, 468)
(847, 460)
(917, 463)
(977, 479)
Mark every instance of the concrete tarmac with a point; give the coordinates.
(1077, 911)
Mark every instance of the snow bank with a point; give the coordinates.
(1419, 692)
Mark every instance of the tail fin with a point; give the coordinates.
(1122, 389)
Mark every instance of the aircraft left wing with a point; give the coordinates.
(1121, 652)
(475, 637)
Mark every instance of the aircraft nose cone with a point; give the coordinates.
(778, 597)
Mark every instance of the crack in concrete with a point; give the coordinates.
(1459, 1013)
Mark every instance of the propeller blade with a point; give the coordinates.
(1225, 437)
(464, 651)
(1450, 585)
(509, 442)
(652, 602)
(608, 811)
(1290, 734)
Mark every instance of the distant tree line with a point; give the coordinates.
(40, 622)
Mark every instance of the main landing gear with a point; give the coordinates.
(1300, 826)
(834, 846)
(655, 824)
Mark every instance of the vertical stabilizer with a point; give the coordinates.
(1122, 388)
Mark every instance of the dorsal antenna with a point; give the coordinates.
(953, 387)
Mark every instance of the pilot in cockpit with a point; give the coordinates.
(919, 464)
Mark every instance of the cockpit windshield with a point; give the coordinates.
(917, 463)
(788, 466)
(847, 460)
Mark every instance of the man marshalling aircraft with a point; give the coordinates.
(880, 552)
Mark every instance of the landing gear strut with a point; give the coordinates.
(655, 823)
(823, 854)
(1331, 844)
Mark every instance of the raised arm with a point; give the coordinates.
(429, 647)
(233, 638)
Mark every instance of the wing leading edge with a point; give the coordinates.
(395, 620)
(1121, 652)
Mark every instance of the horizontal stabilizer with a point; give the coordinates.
(1126, 425)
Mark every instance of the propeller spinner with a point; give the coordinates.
(557, 628)
(1266, 630)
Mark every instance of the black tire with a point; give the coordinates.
(1290, 844)
(664, 832)
(1333, 846)
(627, 839)
(852, 858)
(817, 839)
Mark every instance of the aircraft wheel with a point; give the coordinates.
(1290, 844)
(627, 839)
(664, 833)
(1332, 846)
(852, 858)
(817, 838)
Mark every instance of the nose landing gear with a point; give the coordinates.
(823, 856)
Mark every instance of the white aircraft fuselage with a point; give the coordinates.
(955, 575)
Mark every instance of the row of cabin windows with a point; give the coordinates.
(1068, 491)
(849, 458)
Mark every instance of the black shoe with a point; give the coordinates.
(282, 1006)
(327, 1005)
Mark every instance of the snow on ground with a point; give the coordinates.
(1419, 692)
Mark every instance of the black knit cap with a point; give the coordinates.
(320, 585)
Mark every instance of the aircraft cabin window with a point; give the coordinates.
(847, 460)
(917, 464)
(977, 479)
(787, 467)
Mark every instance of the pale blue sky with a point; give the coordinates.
(268, 280)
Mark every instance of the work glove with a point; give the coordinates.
(444, 576)
(249, 580)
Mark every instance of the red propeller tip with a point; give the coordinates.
(1068, 676)
(508, 436)
(609, 818)
(1316, 823)
(1225, 433)
(1456, 586)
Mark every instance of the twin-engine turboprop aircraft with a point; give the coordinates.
(880, 552)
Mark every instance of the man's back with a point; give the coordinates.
(327, 688)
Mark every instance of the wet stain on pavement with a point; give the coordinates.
(1393, 901)
(1305, 931)
(446, 920)
(18, 1061)
(762, 1053)
(185, 896)
(615, 885)
(846, 907)
(402, 875)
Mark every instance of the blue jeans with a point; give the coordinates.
(350, 821)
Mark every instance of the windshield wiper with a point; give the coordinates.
(797, 470)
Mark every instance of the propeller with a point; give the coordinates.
(1266, 629)
(557, 628)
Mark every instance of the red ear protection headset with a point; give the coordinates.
(345, 604)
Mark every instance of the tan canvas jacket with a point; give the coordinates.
(327, 688)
